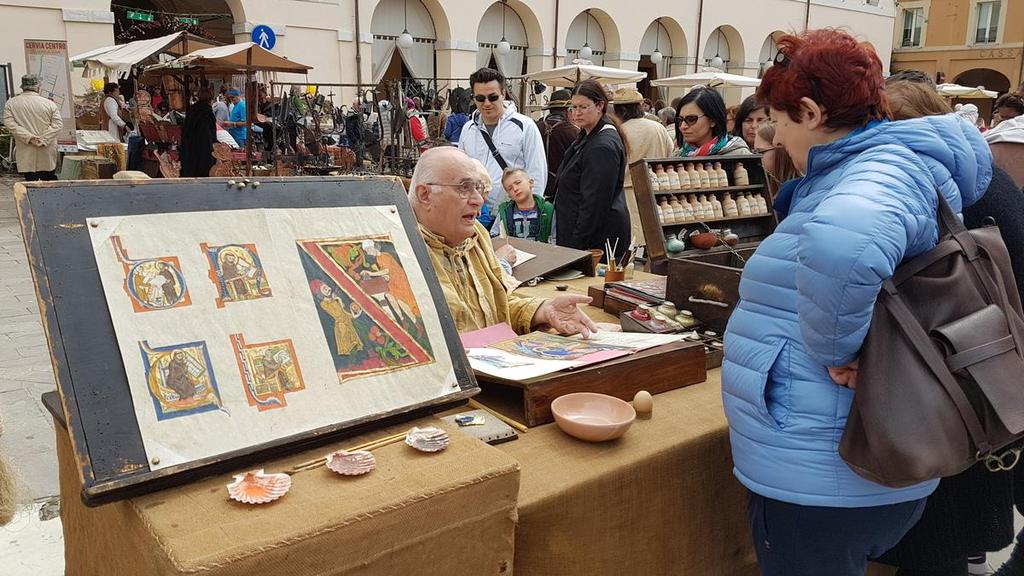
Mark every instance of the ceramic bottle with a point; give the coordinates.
(662, 177)
(652, 177)
(684, 177)
(687, 209)
(739, 175)
(729, 207)
(705, 182)
(673, 178)
(667, 213)
(698, 208)
(677, 210)
(744, 205)
(723, 178)
(712, 175)
(716, 206)
(761, 203)
(709, 209)
(691, 171)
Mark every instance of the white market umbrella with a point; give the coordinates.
(570, 76)
(710, 77)
(958, 91)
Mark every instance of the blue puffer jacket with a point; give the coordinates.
(867, 203)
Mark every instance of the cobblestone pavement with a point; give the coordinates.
(32, 543)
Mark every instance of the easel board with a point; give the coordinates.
(91, 374)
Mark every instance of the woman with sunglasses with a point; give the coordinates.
(702, 128)
(590, 207)
(867, 201)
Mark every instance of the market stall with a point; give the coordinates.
(571, 75)
(661, 500)
(244, 59)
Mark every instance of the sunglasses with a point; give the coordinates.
(487, 98)
(691, 119)
(782, 59)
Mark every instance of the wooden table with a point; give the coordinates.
(662, 500)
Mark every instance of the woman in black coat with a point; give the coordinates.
(970, 513)
(198, 135)
(589, 204)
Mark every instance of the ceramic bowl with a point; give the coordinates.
(592, 417)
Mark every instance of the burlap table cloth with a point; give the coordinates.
(451, 513)
(661, 500)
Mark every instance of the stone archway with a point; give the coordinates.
(390, 61)
(769, 49)
(502, 22)
(145, 19)
(985, 77)
(724, 47)
(666, 36)
(597, 30)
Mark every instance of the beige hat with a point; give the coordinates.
(627, 96)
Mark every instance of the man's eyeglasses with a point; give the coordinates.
(691, 119)
(763, 151)
(487, 98)
(465, 188)
(580, 107)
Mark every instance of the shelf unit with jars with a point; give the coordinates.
(680, 197)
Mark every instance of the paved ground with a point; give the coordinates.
(30, 544)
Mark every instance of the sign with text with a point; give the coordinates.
(48, 59)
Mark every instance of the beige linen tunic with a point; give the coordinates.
(470, 278)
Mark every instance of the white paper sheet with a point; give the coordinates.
(258, 340)
(635, 340)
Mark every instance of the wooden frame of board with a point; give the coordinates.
(88, 367)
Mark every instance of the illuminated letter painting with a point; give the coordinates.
(180, 379)
(370, 317)
(152, 283)
(269, 370)
(236, 271)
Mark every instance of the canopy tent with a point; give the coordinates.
(569, 76)
(710, 77)
(120, 60)
(230, 59)
(958, 91)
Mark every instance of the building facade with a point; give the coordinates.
(968, 42)
(355, 41)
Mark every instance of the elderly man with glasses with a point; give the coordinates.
(500, 137)
(446, 196)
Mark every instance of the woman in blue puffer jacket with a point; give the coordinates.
(867, 202)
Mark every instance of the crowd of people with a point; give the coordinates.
(856, 164)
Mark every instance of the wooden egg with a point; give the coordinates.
(643, 403)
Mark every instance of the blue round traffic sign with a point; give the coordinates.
(263, 36)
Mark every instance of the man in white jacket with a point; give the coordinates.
(515, 138)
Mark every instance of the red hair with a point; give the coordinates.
(832, 68)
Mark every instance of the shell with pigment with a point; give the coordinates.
(255, 487)
(351, 463)
(429, 439)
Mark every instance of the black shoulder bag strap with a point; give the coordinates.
(494, 151)
(490, 143)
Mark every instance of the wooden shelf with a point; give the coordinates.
(711, 220)
(707, 190)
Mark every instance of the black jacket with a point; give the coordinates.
(972, 511)
(589, 203)
(198, 136)
(558, 135)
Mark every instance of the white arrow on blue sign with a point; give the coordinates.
(263, 36)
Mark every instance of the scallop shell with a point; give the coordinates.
(351, 463)
(429, 439)
(255, 487)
